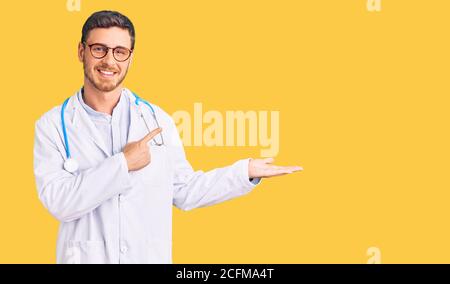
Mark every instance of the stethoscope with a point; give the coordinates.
(71, 165)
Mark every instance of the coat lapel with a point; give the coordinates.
(84, 125)
(137, 128)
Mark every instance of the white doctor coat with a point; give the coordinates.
(110, 215)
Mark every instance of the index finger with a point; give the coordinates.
(151, 135)
(288, 168)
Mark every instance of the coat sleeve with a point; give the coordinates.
(69, 196)
(194, 189)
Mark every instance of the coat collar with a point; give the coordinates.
(80, 120)
(137, 129)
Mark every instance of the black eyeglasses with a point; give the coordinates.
(99, 51)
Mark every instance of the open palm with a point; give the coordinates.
(263, 168)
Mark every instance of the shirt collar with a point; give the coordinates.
(100, 116)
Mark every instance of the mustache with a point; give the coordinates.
(107, 68)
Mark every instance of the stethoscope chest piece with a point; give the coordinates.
(71, 165)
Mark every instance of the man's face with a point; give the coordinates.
(105, 74)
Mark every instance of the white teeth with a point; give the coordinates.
(106, 72)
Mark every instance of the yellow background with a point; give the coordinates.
(363, 100)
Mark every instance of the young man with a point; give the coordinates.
(110, 166)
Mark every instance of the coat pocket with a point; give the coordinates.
(159, 251)
(85, 252)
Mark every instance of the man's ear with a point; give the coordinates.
(131, 58)
(81, 51)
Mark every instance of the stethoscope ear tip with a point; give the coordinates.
(71, 165)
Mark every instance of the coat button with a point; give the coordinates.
(124, 249)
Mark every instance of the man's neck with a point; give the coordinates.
(100, 101)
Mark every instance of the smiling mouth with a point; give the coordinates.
(105, 73)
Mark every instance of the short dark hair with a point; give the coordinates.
(108, 19)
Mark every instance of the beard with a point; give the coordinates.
(101, 84)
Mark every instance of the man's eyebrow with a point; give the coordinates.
(122, 47)
(109, 46)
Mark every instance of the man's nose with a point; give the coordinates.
(109, 58)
